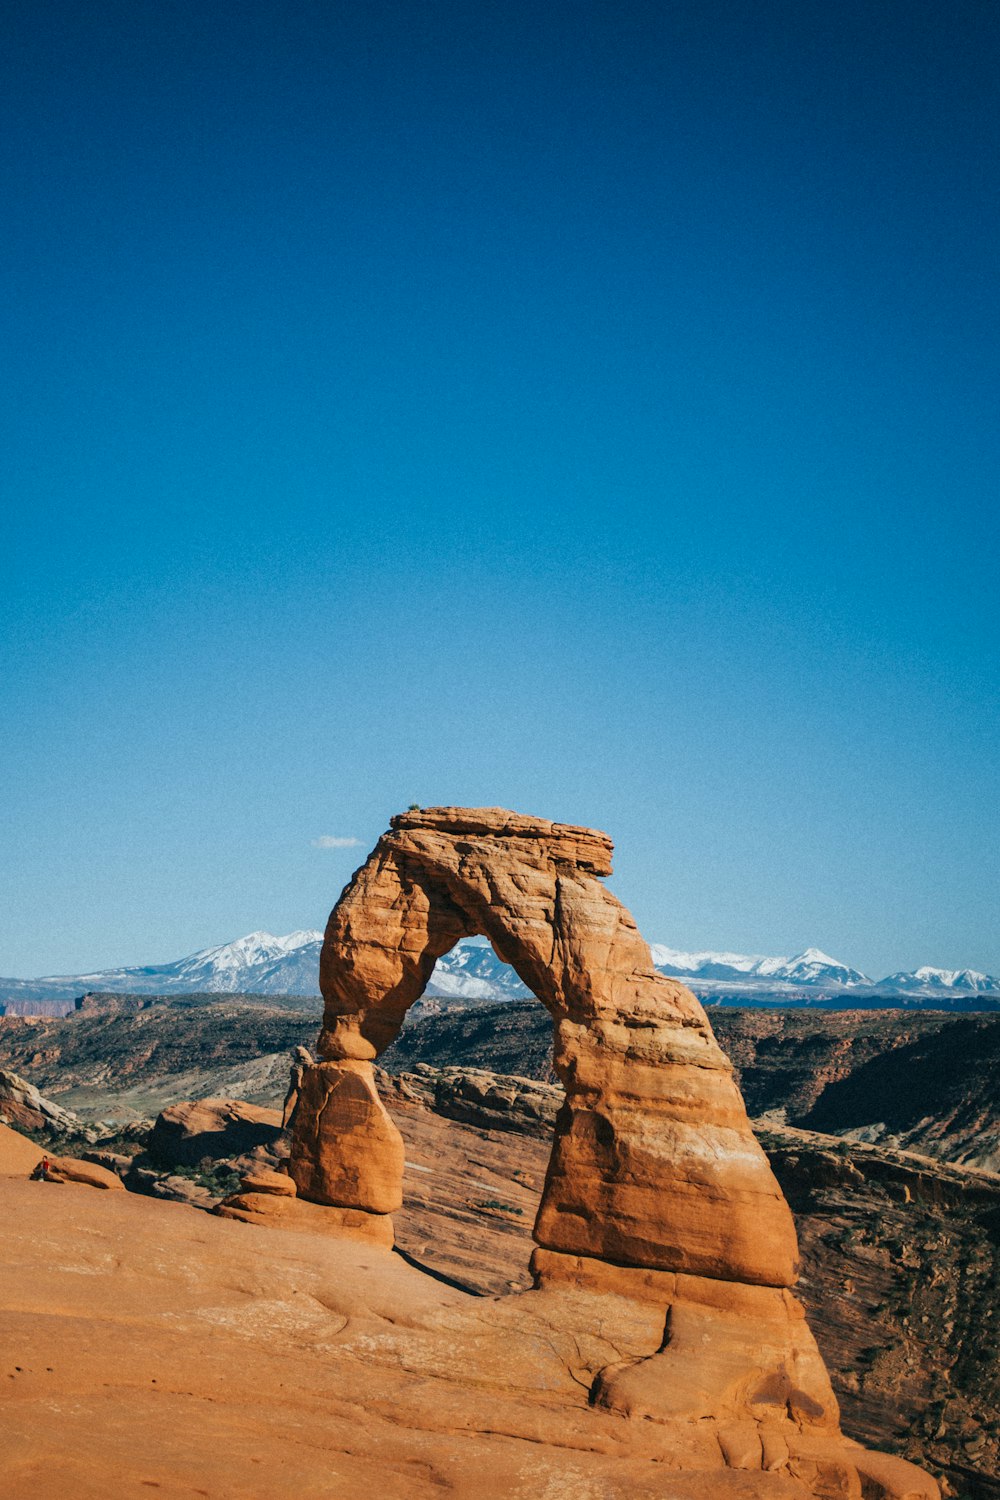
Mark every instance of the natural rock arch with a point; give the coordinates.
(653, 1165)
(656, 1191)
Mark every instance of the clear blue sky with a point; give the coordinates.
(589, 409)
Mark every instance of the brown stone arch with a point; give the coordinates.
(654, 1165)
(657, 1195)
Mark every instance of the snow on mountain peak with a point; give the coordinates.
(815, 966)
(810, 967)
(263, 963)
(255, 947)
(928, 979)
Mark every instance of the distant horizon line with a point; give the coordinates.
(719, 955)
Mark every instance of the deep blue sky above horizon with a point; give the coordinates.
(588, 409)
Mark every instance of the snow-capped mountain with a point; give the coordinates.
(472, 971)
(260, 957)
(259, 963)
(808, 967)
(263, 964)
(926, 980)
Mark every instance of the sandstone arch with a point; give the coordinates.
(657, 1197)
(654, 1165)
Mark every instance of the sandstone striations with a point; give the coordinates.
(659, 1209)
(24, 1107)
(901, 1261)
(653, 1132)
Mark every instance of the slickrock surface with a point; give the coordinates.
(901, 1294)
(18, 1156)
(901, 1268)
(658, 1201)
(148, 1347)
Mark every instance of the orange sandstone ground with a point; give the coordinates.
(149, 1348)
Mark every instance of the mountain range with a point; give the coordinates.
(263, 964)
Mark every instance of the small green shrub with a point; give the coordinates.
(220, 1179)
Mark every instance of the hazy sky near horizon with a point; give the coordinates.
(587, 409)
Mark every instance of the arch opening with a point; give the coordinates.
(476, 1013)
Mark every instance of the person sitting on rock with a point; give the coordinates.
(41, 1172)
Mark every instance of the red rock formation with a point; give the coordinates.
(654, 1163)
(90, 1173)
(184, 1134)
(19, 1157)
(656, 1190)
(348, 1153)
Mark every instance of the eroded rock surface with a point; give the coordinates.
(149, 1348)
(24, 1107)
(89, 1173)
(19, 1157)
(186, 1133)
(654, 1163)
(477, 1096)
(657, 1196)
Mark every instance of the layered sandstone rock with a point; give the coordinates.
(184, 1134)
(269, 1198)
(654, 1163)
(72, 1169)
(348, 1153)
(19, 1157)
(477, 1096)
(22, 1106)
(657, 1195)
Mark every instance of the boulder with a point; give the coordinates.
(261, 1180)
(70, 1169)
(114, 1161)
(181, 1190)
(184, 1134)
